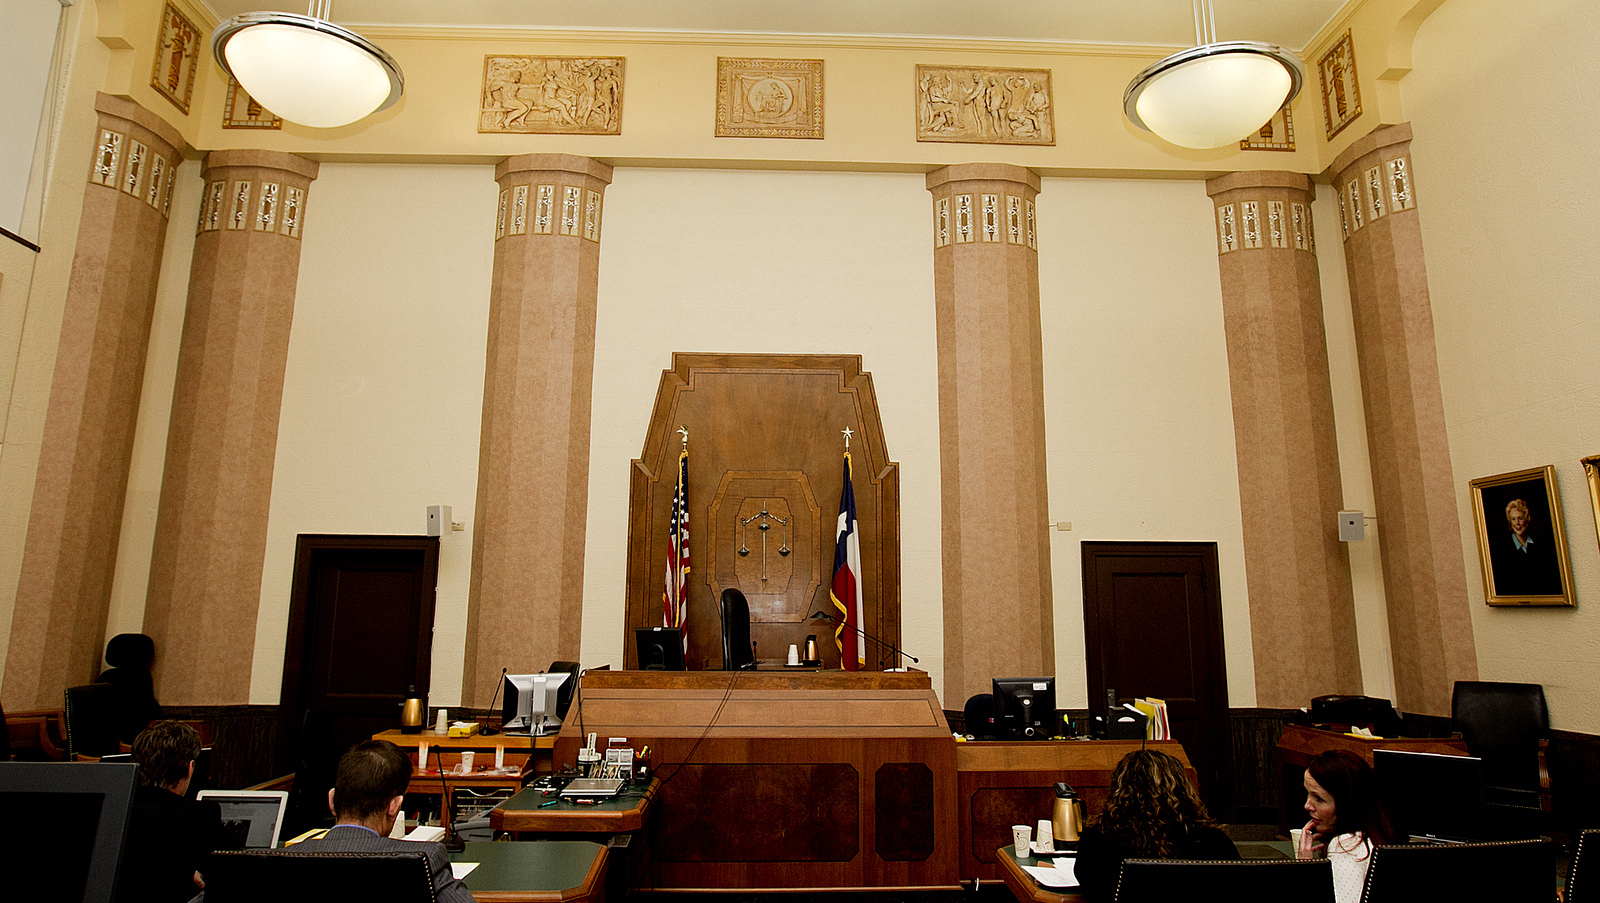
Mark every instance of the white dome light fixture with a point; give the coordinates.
(1216, 93)
(307, 69)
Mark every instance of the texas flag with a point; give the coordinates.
(847, 579)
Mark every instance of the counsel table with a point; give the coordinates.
(1022, 885)
(549, 870)
(526, 812)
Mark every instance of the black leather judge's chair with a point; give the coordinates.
(736, 652)
(272, 876)
(91, 721)
(978, 716)
(1507, 870)
(1580, 882)
(1235, 880)
(1504, 725)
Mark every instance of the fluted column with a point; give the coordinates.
(211, 528)
(69, 556)
(1424, 574)
(525, 603)
(1302, 609)
(997, 608)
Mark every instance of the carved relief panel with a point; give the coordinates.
(769, 98)
(177, 54)
(1341, 95)
(551, 95)
(765, 529)
(985, 106)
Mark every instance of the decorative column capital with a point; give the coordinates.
(1373, 179)
(136, 152)
(553, 163)
(984, 203)
(1263, 209)
(983, 172)
(254, 191)
(564, 192)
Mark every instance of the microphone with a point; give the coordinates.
(486, 730)
(452, 841)
(833, 618)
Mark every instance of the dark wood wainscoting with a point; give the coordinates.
(244, 742)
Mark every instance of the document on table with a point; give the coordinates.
(1060, 876)
(462, 869)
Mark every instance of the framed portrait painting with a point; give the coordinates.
(1521, 544)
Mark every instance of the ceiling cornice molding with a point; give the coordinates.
(763, 39)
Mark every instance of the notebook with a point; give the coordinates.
(593, 788)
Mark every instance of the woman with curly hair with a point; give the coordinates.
(1152, 812)
(1346, 819)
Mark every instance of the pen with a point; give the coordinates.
(549, 804)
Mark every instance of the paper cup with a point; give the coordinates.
(466, 762)
(1047, 836)
(1020, 835)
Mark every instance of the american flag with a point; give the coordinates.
(675, 601)
(846, 592)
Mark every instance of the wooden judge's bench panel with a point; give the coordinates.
(803, 780)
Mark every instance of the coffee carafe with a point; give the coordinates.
(812, 656)
(1066, 818)
(411, 713)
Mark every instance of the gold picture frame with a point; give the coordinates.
(1522, 545)
(1591, 469)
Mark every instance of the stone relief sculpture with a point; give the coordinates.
(1341, 93)
(974, 105)
(551, 95)
(177, 50)
(769, 98)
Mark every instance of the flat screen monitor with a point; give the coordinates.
(1025, 708)
(660, 648)
(251, 819)
(75, 819)
(532, 703)
(1433, 796)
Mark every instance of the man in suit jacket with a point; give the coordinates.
(168, 835)
(366, 796)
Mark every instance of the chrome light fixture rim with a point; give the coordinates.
(1289, 61)
(226, 29)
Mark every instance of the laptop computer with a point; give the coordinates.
(1437, 798)
(251, 819)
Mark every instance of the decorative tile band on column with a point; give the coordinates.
(85, 450)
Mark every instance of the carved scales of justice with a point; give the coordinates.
(766, 521)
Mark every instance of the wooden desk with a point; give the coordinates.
(803, 780)
(1299, 743)
(571, 871)
(624, 814)
(520, 752)
(1005, 783)
(1022, 885)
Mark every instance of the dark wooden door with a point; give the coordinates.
(1152, 616)
(360, 633)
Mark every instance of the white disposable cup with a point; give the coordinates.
(794, 654)
(1047, 836)
(422, 755)
(499, 757)
(442, 724)
(1020, 835)
(466, 762)
(1294, 837)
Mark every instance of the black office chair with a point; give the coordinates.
(271, 876)
(978, 716)
(1505, 870)
(130, 656)
(91, 721)
(737, 654)
(1236, 880)
(1578, 879)
(1503, 724)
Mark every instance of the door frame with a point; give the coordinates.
(295, 661)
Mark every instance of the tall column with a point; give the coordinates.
(1424, 572)
(525, 604)
(997, 608)
(69, 556)
(1302, 609)
(211, 527)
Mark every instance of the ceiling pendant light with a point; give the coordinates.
(1216, 93)
(307, 69)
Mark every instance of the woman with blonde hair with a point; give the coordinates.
(1152, 812)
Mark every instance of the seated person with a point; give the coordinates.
(1152, 812)
(1347, 819)
(168, 835)
(134, 695)
(366, 796)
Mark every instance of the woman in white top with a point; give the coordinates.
(1347, 819)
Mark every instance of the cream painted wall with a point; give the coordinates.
(383, 396)
(1506, 129)
(696, 260)
(1138, 416)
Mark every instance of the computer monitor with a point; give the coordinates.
(1433, 796)
(76, 819)
(251, 819)
(660, 648)
(1025, 707)
(532, 702)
